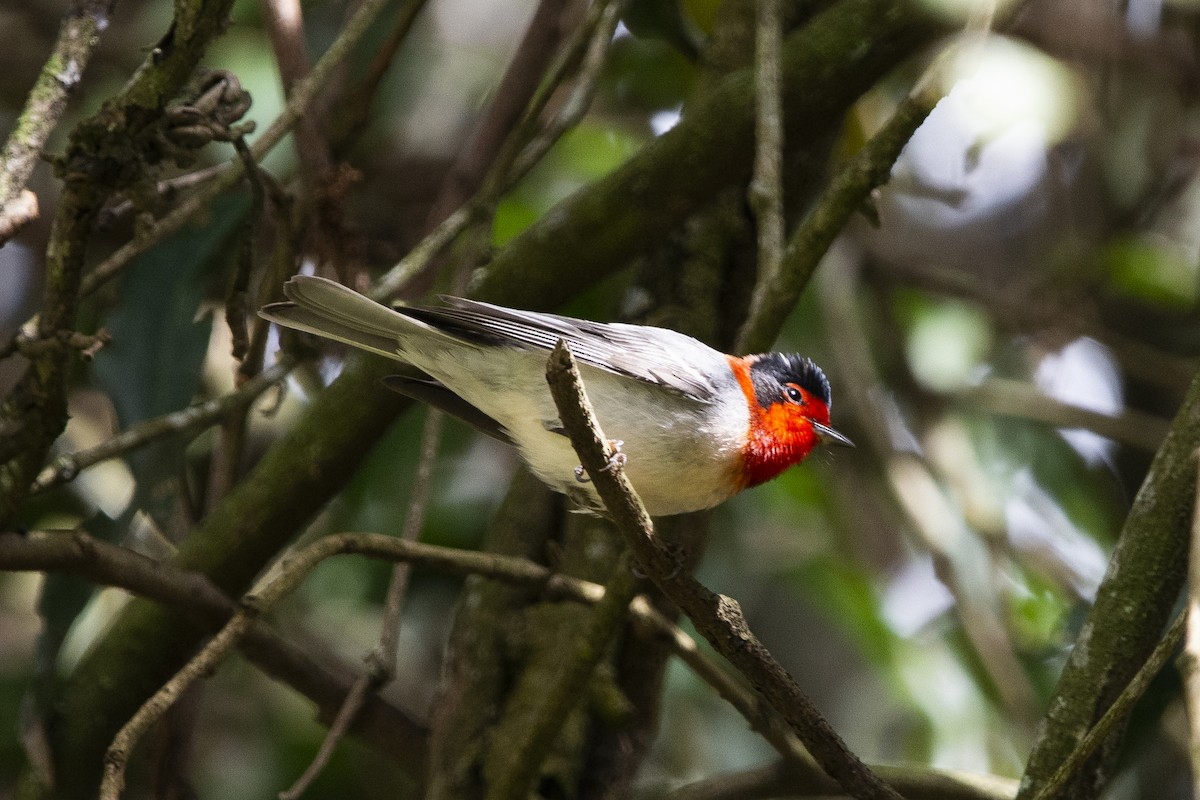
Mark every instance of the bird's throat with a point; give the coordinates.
(777, 441)
(778, 437)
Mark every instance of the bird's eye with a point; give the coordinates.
(794, 394)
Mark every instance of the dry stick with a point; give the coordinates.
(1117, 712)
(718, 618)
(381, 662)
(187, 421)
(766, 186)
(77, 38)
(1189, 661)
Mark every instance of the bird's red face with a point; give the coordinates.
(789, 413)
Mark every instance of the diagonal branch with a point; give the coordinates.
(717, 618)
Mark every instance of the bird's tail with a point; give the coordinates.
(321, 306)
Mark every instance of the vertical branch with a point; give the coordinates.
(77, 38)
(285, 26)
(766, 186)
(776, 295)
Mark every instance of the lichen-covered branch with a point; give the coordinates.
(1139, 590)
(827, 65)
(78, 36)
(1114, 718)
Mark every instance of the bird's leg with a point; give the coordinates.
(617, 459)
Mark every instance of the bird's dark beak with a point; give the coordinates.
(829, 436)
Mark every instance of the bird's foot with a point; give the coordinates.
(617, 459)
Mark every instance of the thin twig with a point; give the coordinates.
(77, 38)
(525, 73)
(381, 662)
(201, 664)
(718, 618)
(576, 104)
(416, 260)
(178, 423)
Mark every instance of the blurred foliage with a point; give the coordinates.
(924, 588)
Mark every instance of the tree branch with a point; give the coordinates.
(870, 168)
(1134, 601)
(77, 553)
(78, 37)
(381, 725)
(187, 421)
(766, 187)
(1114, 718)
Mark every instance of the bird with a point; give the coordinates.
(696, 426)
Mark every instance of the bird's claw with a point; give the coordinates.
(617, 459)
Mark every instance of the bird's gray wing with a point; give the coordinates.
(655, 355)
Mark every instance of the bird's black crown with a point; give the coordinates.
(770, 372)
